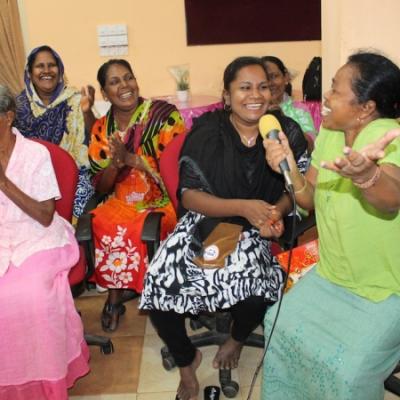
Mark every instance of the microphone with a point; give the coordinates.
(269, 127)
(211, 393)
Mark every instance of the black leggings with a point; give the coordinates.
(170, 326)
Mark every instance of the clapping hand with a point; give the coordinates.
(118, 151)
(87, 98)
(361, 166)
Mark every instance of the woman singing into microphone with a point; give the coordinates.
(338, 333)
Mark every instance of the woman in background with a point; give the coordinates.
(281, 91)
(42, 347)
(125, 147)
(337, 334)
(50, 110)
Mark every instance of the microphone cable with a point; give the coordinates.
(291, 245)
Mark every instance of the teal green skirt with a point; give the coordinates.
(330, 344)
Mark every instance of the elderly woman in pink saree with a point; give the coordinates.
(42, 347)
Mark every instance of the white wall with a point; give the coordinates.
(157, 40)
(349, 25)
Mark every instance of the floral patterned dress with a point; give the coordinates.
(121, 256)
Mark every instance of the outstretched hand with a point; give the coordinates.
(87, 98)
(361, 166)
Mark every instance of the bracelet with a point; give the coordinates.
(371, 181)
(303, 188)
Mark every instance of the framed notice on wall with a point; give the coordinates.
(249, 21)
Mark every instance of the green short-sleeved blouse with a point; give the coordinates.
(359, 245)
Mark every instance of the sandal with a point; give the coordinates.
(110, 316)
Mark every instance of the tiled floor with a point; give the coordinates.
(134, 371)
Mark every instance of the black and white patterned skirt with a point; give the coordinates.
(174, 282)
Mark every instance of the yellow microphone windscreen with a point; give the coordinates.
(268, 123)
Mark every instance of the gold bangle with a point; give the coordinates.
(303, 188)
(371, 181)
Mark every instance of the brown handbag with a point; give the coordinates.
(221, 242)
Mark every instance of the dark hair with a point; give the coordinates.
(35, 52)
(282, 67)
(378, 80)
(102, 72)
(236, 65)
(312, 80)
(7, 100)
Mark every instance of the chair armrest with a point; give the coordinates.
(305, 224)
(93, 202)
(83, 232)
(302, 225)
(151, 232)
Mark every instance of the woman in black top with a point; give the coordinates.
(223, 178)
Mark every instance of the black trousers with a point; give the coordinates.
(170, 326)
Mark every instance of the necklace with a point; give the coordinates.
(245, 140)
(248, 141)
(122, 134)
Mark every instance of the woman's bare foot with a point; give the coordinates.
(188, 388)
(228, 354)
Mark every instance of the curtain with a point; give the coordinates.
(238, 21)
(12, 54)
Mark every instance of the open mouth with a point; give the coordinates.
(126, 96)
(325, 111)
(255, 106)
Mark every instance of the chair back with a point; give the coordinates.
(169, 168)
(67, 177)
